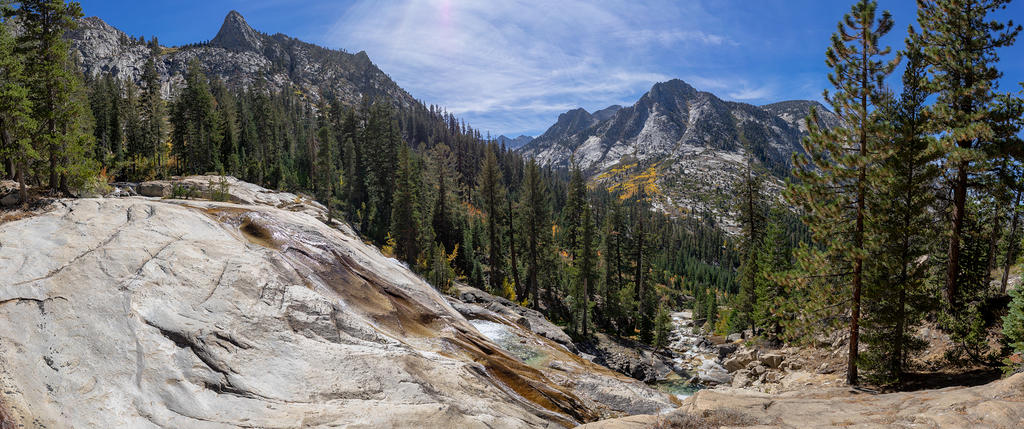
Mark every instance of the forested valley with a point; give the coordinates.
(908, 214)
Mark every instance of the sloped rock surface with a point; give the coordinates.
(996, 405)
(138, 312)
(541, 344)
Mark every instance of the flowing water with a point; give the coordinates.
(508, 340)
(695, 355)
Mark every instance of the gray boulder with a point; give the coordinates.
(772, 360)
(10, 199)
(740, 360)
(156, 188)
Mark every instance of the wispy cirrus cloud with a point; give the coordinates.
(512, 66)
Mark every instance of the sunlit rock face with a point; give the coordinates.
(147, 312)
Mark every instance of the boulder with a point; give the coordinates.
(734, 337)
(756, 369)
(740, 360)
(724, 350)
(629, 357)
(10, 199)
(156, 188)
(742, 378)
(772, 360)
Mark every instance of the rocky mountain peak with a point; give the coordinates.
(672, 90)
(607, 112)
(568, 123)
(236, 35)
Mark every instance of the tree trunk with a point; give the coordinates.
(639, 268)
(858, 265)
(953, 266)
(585, 305)
(1012, 245)
(993, 241)
(512, 248)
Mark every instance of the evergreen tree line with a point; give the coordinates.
(912, 205)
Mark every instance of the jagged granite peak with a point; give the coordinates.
(795, 112)
(236, 35)
(607, 112)
(239, 56)
(690, 143)
(513, 143)
(567, 124)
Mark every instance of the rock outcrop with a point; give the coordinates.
(528, 335)
(630, 358)
(143, 312)
(995, 405)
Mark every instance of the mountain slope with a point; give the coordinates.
(688, 144)
(240, 56)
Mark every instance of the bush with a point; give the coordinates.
(220, 191)
(1013, 329)
(182, 192)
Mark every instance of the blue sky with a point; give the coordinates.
(511, 67)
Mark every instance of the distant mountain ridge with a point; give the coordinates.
(689, 144)
(514, 143)
(241, 57)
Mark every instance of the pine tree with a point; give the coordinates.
(55, 90)
(1013, 323)
(194, 123)
(834, 174)
(444, 221)
(612, 255)
(662, 325)
(959, 43)
(379, 152)
(902, 198)
(773, 260)
(750, 205)
(134, 130)
(154, 117)
(572, 213)
(326, 173)
(535, 221)
(492, 192)
(640, 264)
(405, 210)
(585, 267)
(16, 122)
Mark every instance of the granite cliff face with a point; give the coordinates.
(240, 56)
(148, 312)
(689, 144)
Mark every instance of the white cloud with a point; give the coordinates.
(530, 58)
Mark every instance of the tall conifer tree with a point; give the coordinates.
(16, 121)
(55, 89)
(834, 174)
(900, 202)
(959, 42)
